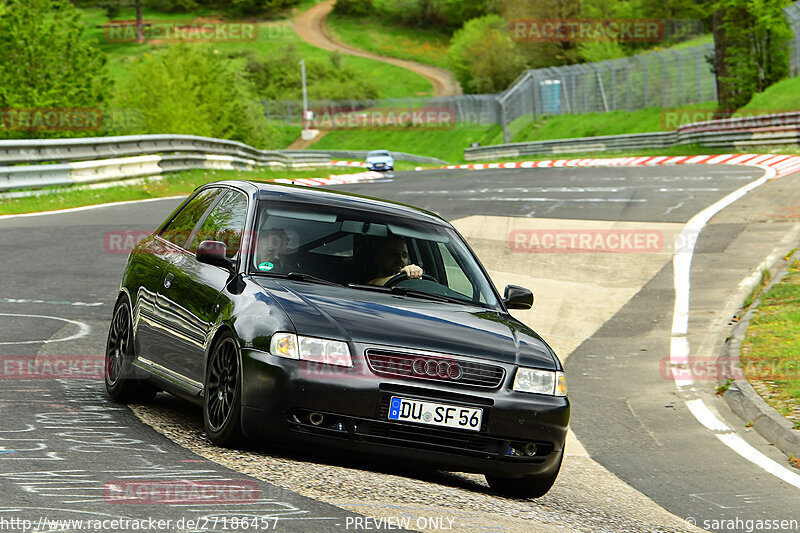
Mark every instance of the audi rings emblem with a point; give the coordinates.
(437, 368)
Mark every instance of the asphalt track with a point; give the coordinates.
(62, 442)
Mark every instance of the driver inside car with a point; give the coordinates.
(272, 251)
(391, 258)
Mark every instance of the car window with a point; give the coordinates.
(456, 279)
(225, 223)
(341, 247)
(347, 246)
(180, 228)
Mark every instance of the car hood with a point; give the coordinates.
(379, 159)
(373, 318)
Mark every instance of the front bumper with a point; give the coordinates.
(278, 395)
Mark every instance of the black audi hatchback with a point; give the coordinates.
(270, 306)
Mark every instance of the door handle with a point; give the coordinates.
(168, 280)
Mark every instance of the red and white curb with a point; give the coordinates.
(360, 164)
(783, 164)
(333, 179)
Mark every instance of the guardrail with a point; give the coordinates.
(736, 133)
(31, 164)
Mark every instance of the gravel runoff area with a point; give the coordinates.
(586, 497)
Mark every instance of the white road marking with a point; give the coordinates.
(679, 345)
(89, 207)
(83, 329)
(50, 302)
(702, 413)
(738, 444)
(539, 199)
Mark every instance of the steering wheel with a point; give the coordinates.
(402, 276)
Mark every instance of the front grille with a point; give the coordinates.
(435, 368)
(421, 437)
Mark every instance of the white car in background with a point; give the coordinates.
(380, 160)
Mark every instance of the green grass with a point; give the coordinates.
(771, 348)
(394, 82)
(445, 144)
(172, 184)
(696, 41)
(593, 124)
(766, 276)
(379, 36)
(783, 96)
(449, 145)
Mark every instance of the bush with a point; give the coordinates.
(194, 90)
(278, 77)
(44, 62)
(458, 12)
(354, 8)
(483, 57)
(266, 8)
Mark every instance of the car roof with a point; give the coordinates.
(296, 193)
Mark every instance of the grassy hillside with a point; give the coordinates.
(784, 97)
(380, 36)
(394, 82)
(447, 145)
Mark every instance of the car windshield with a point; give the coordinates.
(344, 247)
(378, 153)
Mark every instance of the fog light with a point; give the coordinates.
(529, 449)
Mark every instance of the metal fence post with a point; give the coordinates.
(628, 85)
(644, 78)
(792, 12)
(504, 121)
(663, 80)
(680, 76)
(610, 65)
(699, 61)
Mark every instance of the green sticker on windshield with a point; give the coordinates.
(265, 266)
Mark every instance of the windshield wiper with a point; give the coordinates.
(403, 291)
(298, 276)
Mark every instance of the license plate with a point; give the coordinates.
(435, 414)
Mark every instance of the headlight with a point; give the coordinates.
(540, 382)
(312, 349)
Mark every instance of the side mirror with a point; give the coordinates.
(214, 253)
(517, 297)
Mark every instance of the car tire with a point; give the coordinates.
(222, 398)
(524, 487)
(121, 384)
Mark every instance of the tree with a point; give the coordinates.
(44, 63)
(194, 90)
(483, 57)
(750, 38)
